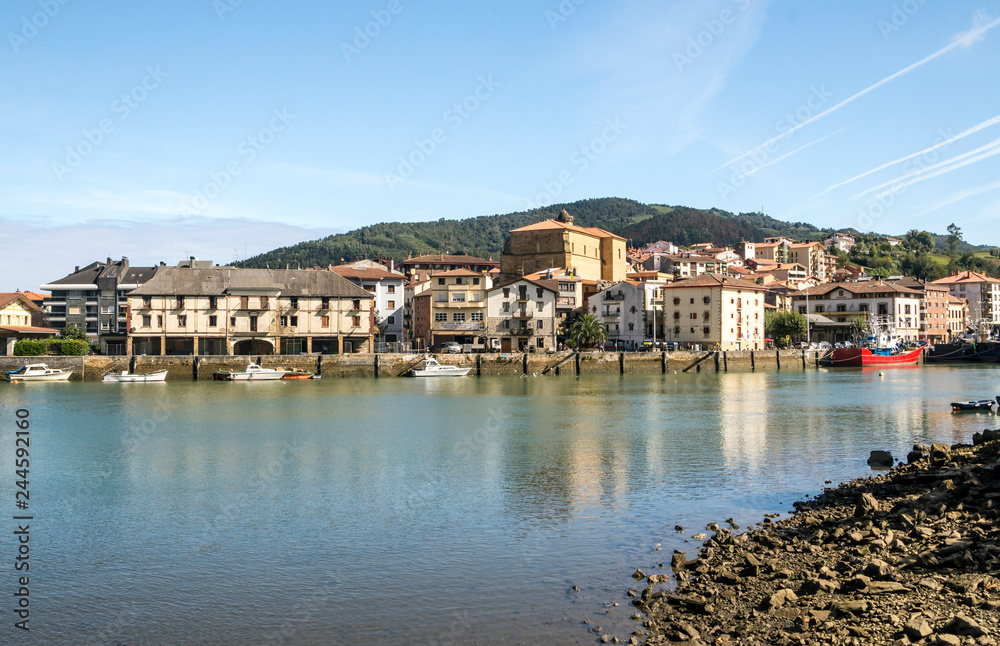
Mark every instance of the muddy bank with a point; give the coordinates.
(908, 557)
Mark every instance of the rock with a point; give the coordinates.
(678, 528)
(712, 527)
(917, 628)
(678, 560)
(638, 575)
(866, 505)
(940, 453)
(850, 607)
(779, 599)
(965, 626)
(914, 456)
(886, 587)
(880, 459)
(699, 537)
(878, 569)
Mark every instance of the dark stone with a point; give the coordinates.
(880, 459)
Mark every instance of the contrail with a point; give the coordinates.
(959, 196)
(964, 39)
(974, 129)
(789, 154)
(992, 146)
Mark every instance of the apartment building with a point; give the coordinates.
(982, 292)
(458, 307)
(888, 302)
(222, 311)
(387, 289)
(16, 313)
(715, 311)
(522, 316)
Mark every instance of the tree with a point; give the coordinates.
(780, 325)
(954, 238)
(72, 333)
(859, 325)
(587, 331)
(921, 266)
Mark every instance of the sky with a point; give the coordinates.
(224, 128)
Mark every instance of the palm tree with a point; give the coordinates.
(587, 331)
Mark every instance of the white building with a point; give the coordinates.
(889, 303)
(982, 292)
(626, 310)
(715, 311)
(386, 286)
(522, 316)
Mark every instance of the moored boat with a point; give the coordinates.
(38, 372)
(125, 377)
(253, 372)
(296, 373)
(864, 357)
(981, 405)
(429, 367)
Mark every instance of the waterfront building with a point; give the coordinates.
(589, 253)
(934, 312)
(94, 299)
(458, 307)
(421, 267)
(812, 256)
(387, 288)
(224, 310)
(982, 292)
(958, 315)
(522, 316)
(421, 336)
(17, 312)
(715, 311)
(888, 302)
(573, 291)
(411, 290)
(629, 310)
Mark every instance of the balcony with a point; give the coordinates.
(614, 297)
(522, 314)
(521, 331)
(458, 304)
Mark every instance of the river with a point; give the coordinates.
(409, 511)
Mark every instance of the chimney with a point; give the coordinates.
(77, 270)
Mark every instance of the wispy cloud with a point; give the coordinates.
(790, 153)
(947, 142)
(965, 39)
(959, 196)
(936, 170)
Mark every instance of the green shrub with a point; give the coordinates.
(74, 348)
(31, 347)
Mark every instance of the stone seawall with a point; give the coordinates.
(187, 368)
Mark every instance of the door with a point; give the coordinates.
(504, 345)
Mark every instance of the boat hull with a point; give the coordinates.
(863, 357)
(152, 377)
(64, 376)
(461, 372)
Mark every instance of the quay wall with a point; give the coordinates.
(188, 368)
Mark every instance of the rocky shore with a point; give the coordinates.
(908, 557)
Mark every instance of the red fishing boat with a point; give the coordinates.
(864, 357)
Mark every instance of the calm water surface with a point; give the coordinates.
(411, 511)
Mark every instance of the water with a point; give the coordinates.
(411, 511)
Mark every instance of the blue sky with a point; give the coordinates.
(216, 128)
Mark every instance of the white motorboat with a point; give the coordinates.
(429, 367)
(253, 372)
(38, 372)
(125, 377)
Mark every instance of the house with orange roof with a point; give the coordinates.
(982, 292)
(715, 311)
(812, 256)
(386, 287)
(588, 252)
(521, 316)
(776, 251)
(16, 312)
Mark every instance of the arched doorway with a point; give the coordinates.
(254, 347)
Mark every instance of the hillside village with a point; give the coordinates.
(552, 275)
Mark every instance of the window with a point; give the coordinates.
(692, 301)
(180, 302)
(107, 309)
(283, 321)
(506, 292)
(476, 316)
(539, 306)
(631, 326)
(475, 281)
(232, 321)
(356, 304)
(458, 298)
(707, 330)
(677, 301)
(677, 315)
(159, 320)
(369, 288)
(390, 289)
(539, 324)
(293, 302)
(819, 309)
(182, 320)
(707, 300)
(392, 305)
(707, 315)
(391, 320)
(440, 281)
(694, 315)
(147, 302)
(802, 309)
(458, 317)
(294, 321)
(263, 302)
(213, 321)
(212, 302)
(147, 320)
(105, 325)
(440, 317)
(459, 281)
(324, 321)
(325, 303)
(506, 307)
(538, 292)
(506, 324)
(253, 323)
(244, 302)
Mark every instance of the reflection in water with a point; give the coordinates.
(475, 503)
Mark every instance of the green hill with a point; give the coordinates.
(484, 236)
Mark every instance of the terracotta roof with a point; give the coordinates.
(459, 272)
(34, 296)
(867, 287)
(27, 329)
(957, 299)
(966, 277)
(6, 298)
(445, 259)
(546, 225)
(368, 273)
(715, 280)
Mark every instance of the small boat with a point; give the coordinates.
(125, 377)
(253, 372)
(296, 373)
(883, 347)
(38, 372)
(429, 367)
(982, 404)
